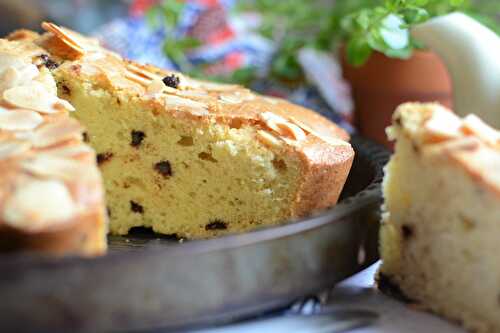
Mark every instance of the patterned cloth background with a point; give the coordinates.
(228, 43)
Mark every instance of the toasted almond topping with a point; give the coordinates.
(70, 151)
(32, 97)
(141, 71)
(9, 60)
(442, 125)
(55, 132)
(13, 148)
(473, 125)
(282, 126)
(65, 36)
(191, 93)
(137, 78)
(55, 167)
(20, 120)
(268, 139)
(38, 204)
(12, 76)
(230, 98)
(194, 107)
(328, 139)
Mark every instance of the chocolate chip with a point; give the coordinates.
(85, 137)
(103, 157)
(108, 210)
(136, 208)
(407, 231)
(216, 224)
(49, 63)
(164, 168)
(137, 137)
(171, 81)
(65, 89)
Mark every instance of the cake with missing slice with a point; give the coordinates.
(440, 234)
(189, 157)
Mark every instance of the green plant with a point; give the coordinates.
(365, 26)
(166, 14)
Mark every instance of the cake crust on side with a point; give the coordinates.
(440, 229)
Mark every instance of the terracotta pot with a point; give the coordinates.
(383, 83)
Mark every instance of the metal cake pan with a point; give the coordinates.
(149, 282)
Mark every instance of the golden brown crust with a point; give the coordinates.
(51, 197)
(469, 143)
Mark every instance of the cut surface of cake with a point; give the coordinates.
(440, 236)
(51, 195)
(190, 157)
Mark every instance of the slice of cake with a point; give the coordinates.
(189, 157)
(441, 228)
(51, 196)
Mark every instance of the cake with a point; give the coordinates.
(187, 157)
(51, 196)
(441, 229)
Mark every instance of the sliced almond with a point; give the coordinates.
(69, 151)
(38, 204)
(13, 148)
(12, 76)
(143, 81)
(32, 97)
(193, 106)
(230, 98)
(443, 125)
(282, 126)
(328, 139)
(20, 120)
(10, 61)
(268, 139)
(62, 130)
(473, 125)
(141, 71)
(55, 167)
(70, 39)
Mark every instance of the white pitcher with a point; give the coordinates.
(472, 54)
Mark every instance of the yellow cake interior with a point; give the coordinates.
(440, 233)
(166, 173)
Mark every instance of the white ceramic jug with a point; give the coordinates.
(472, 54)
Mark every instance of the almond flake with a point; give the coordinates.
(442, 126)
(193, 106)
(20, 120)
(69, 151)
(51, 133)
(38, 204)
(472, 124)
(32, 97)
(55, 167)
(328, 139)
(230, 99)
(13, 148)
(268, 139)
(141, 71)
(65, 36)
(292, 131)
(137, 78)
(282, 126)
